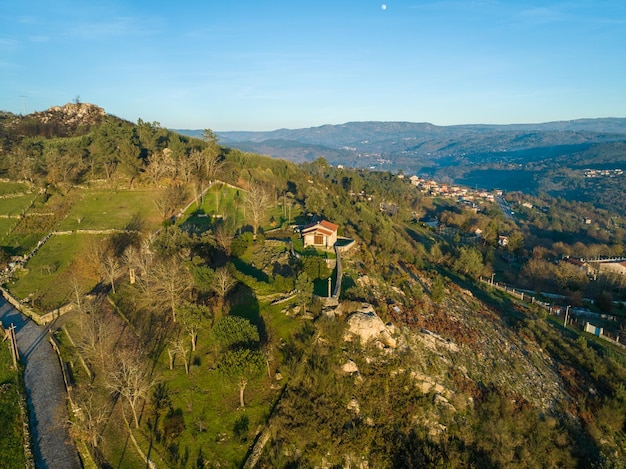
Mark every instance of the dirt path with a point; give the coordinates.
(47, 397)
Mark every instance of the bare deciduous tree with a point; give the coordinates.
(170, 200)
(196, 173)
(257, 200)
(78, 293)
(90, 418)
(184, 167)
(160, 165)
(211, 155)
(223, 283)
(177, 348)
(223, 237)
(537, 270)
(171, 279)
(139, 259)
(99, 334)
(205, 165)
(111, 269)
(131, 381)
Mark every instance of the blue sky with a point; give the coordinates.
(263, 65)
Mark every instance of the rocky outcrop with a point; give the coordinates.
(368, 327)
(66, 120)
(349, 367)
(72, 114)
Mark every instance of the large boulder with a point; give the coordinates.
(368, 327)
(350, 367)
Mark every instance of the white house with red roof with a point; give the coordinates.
(322, 234)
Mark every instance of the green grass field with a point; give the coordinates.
(225, 202)
(6, 224)
(211, 424)
(11, 442)
(14, 206)
(119, 209)
(10, 187)
(48, 271)
(219, 202)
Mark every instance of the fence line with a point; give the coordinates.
(555, 310)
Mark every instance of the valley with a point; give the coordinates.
(189, 283)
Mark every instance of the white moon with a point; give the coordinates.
(383, 6)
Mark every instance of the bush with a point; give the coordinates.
(283, 284)
(240, 244)
(315, 267)
(173, 424)
(437, 290)
(240, 429)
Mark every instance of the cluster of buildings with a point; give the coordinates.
(436, 189)
(592, 267)
(596, 173)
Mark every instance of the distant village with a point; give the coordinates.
(433, 188)
(592, 267)
(437, 189)
(596, 173)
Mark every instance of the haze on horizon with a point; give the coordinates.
(252, 65)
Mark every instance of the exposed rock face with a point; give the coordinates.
(354, 406)
(350, 367)
(366, 325)
(66, 119)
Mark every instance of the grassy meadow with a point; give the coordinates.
(227, 203)
(12, 440)
(6, 225)
(64, 257)
(50, 272)
(14, 206)
(112, 209)
(12, 187)
(15, 199)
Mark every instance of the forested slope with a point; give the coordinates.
(193, 332)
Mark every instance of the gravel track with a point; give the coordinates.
(47, 396)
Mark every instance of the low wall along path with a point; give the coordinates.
(47, 396)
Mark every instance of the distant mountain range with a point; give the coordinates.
(547, 157)
(554, 157)
(424, 147)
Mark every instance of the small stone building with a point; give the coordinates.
(322, 234)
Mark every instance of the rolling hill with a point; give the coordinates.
(534, 158)
(206, 347)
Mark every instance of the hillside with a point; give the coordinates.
(199, 330)
(528, 157)
(408, 145)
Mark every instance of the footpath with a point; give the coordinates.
(45, 388)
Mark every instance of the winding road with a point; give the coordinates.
(47, 397)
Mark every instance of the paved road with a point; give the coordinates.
(47, 397)
(504, 206)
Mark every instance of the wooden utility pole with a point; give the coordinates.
(14, 352)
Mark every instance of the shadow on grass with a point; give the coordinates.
(320, 285)
(244, 303)
(252, 271)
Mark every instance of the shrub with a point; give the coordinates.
(240, 244)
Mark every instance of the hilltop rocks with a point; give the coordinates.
(368, 327)
(65, 120)
(73, 114)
